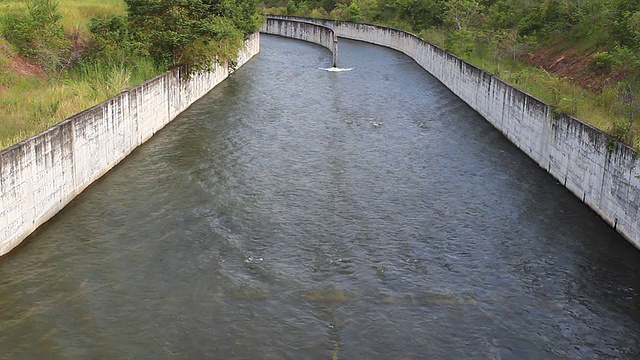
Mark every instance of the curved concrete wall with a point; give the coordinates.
(42, 174)
(303, 30)
(575, 153)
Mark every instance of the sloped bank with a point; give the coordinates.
(601, 173)
(42, 174)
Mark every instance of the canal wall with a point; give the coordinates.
(597, 170)
(302, 30)
(42, 174)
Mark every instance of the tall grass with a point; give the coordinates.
(602, 110)
(75, 13)
(597, 109)
(33, 103)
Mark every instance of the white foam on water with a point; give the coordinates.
(335, 69)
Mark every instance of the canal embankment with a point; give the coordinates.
(42, 174)
(599, 171)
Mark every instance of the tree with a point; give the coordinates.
(423, 14)
(113, 42)
(463, 14)
(191, 33)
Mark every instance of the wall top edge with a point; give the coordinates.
(268, 18)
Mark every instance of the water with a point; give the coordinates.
(296, 213)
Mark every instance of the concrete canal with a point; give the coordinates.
(297, 213)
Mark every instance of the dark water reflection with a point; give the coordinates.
(295, 213)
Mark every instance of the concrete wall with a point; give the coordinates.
(40, 175)
(302, 30)
(573, 152)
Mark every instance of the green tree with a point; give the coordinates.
(463, 14)
(114, 42)
(243, 13)
(191, 33)
(423, 14)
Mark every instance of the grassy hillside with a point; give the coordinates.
(32, 100)
(75, 13)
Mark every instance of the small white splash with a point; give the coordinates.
(252, 260)
(336, 69)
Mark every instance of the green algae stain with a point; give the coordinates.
(329, 296)
(247, 293)
(429, 299)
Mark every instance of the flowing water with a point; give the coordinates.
(297, 213)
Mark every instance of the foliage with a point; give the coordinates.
(190, 33)
(602, 61)
(93, 59)
(623, 131)
(114, 42)
(37, 34)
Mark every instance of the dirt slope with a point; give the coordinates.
(572, 64)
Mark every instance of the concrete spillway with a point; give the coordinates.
(295, 213)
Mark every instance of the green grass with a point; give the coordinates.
(75, 13)
(597, 109)
(33, 104)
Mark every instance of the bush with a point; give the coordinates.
(602, 61)
(113, 42)
(37, 34)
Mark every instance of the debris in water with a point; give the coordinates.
(251, 260)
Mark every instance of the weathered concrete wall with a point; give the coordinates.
(40, 175)
(303, 30)
(573, 152)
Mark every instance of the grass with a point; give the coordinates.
(601, 110)
(33, 104)
(592, 108)
(75, 13)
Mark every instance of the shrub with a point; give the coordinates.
(113, 42)
(602, 61)
(37, 34)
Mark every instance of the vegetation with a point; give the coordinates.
(33, 97)
(58, 58)
(514, 38)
